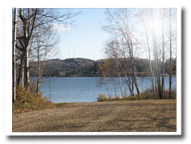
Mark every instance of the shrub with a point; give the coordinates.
(131, 98)
(102, 97)
(173, 93)
(27, 101)
(165, 94)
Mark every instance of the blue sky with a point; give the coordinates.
(86, 39)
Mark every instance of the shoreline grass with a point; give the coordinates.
(147, 94)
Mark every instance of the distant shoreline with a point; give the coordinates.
(99, 75)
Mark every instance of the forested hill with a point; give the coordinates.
(66, 67)
(84, 67)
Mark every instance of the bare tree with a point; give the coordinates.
(142, 14)
(170, 75)
(163, 52)
(45, 47)
(30, 20)
(156, 55)
(116, 57)
(152, 34)
(119, 24)
(13, 53)
(103, 69)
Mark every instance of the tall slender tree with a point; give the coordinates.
(13, 56)
(119, 24)
(143, 14)
(170, 74)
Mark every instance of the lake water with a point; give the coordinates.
(86, 89)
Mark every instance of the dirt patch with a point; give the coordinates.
(113, 116)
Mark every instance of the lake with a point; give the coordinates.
(86, 89)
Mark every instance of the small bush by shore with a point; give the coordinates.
(27, 101)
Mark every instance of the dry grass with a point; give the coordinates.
(110, 116)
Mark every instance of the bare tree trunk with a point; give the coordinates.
(150, 66)
(149, 51)
(114, 85)
(39, 71)
(128, 81)
(120, 81)
(133, 68)
(20, 72)
(170, 75)
(129, 85)
(135, 77)
(106, 85)
(163, 57)
(132, 83)
(132, 78)
(13, 57)
(156, 58)
(159, 83)
(26, 62)
(50, 87)
(26, 70)
(22, 78)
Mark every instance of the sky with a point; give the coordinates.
(86, 38)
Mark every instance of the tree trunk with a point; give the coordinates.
(133, 67)
(135, 77)
(20, 72)
(128, 81)
(26, 71)
(26, 57)
(120, 81)
(50, 87)
(159, 83)
(39, 69)
(163, 57)
(156, 58)
(22, 78)
(39, 72)
(106, 85)
(132, 85)
(13, 57)
(114, 85)
(170, 75)
(129, 85)
(150, 66)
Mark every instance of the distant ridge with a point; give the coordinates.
(86, 67)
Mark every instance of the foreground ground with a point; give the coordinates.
(112, 116)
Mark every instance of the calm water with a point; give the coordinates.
(86, 89)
